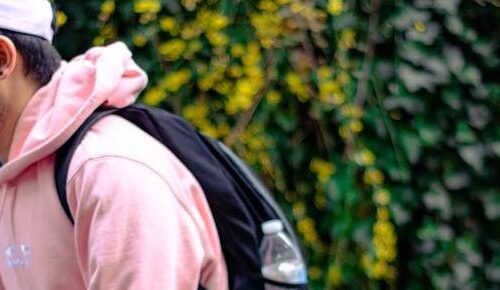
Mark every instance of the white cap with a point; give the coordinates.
(272, 227)
(33, 17)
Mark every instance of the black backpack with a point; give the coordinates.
(239, 202)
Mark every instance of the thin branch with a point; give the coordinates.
(390, 129)
(247, 116)
(373, 23)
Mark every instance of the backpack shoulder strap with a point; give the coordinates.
(65, 154)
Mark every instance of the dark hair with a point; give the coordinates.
(40, 58)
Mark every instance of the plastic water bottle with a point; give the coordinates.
(281, 259)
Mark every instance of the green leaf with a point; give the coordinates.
(451, 96)
(454, 58)
(457, 180)
(411, 146)
(493, 269)
(400, 214)
(409, 103)
(286, 121)
(430, 133)
(448, 6)
(464, 134)
(415, 80)
(479, 115)
(438, 199)
(421, 56)
(406, 17)
(462, 274)
(473, 155)
(495, 146)
(491, 204)
(470, 75)
(428, 36)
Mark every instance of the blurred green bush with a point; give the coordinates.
(374, 122)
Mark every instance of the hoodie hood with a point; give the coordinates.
(102, 76)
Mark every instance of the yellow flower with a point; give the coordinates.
(339, 98)
(237, 50)
(306, 225)
(108, 31)
(224, 87)
(99, 41)
(352, 111)
(235, 71)
(343, 78)
(154, 96)
(299, 209)
(356, 126)
(190, 5)
(273, 97)
(296, 86)
(373, 176)
(196, 113)
(139, 40)
(322, 168)
(320, 201)
(207, 82)
(419, 26)
(336, 7)
(223, 129)
(147, 6)
(108, 7)
(347, 39)
(380, 269)
(328, 90)
(267, 27)
(193, 47)
(268, 6)
(207, 128)
(242, 97)
(334, 275)
(324, 72)
(283, 2)
(245, 87)
(175, 80)
(366, 261)
(168, 24)
(297, 7)
(211, 20)
(344, 132)
(61, 18)
(385, 230)
(191, 30)
(145, 18)
(382, 213)
(382, 197)
(365, 157)
(315, 273)
(218, 22)
(172, 49)
(217, 38)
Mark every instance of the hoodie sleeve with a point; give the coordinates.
(131, 232)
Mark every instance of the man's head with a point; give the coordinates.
(27, 59)
(26, 31)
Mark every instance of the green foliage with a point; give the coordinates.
(374, 122)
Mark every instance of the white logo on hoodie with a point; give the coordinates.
(17, 256)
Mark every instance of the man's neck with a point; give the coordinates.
(9, 116)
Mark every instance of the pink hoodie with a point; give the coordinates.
(141, 219)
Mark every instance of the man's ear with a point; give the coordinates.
(8, 57)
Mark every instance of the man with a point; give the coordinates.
(141, 219)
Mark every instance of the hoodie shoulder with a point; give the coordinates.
(114, 136)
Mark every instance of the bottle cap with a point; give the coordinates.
(272, 226)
